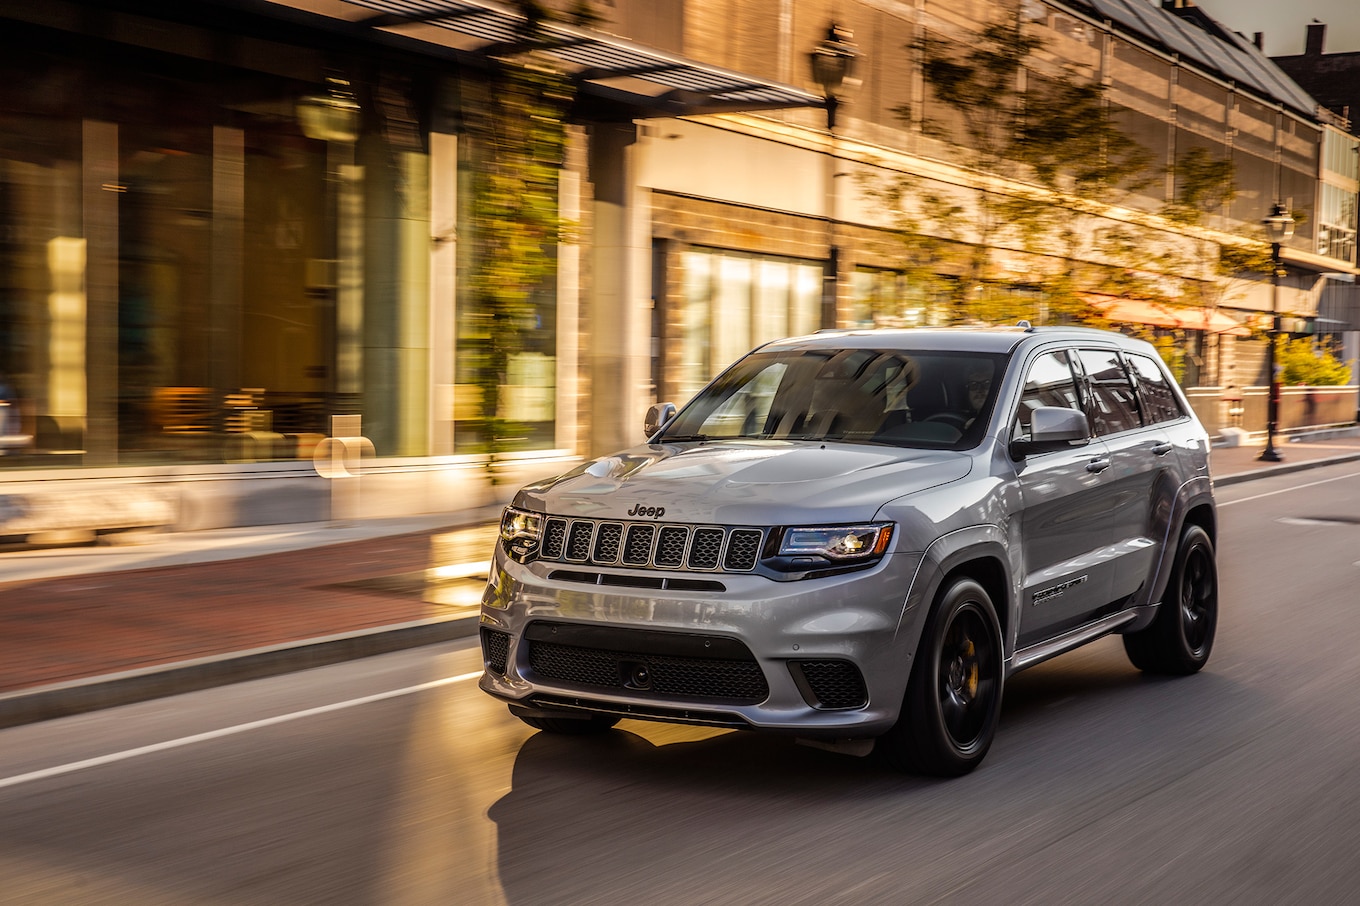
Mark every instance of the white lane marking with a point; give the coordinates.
(227, 731)
(1296, 487)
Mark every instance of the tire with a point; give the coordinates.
(1181, 636)
(570, 726)
(953, 699)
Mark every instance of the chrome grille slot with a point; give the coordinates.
(637, 550)
(743, 550)
(554, 539)
(705, 548)
(607, 537)
(670, 546)
(578, 540)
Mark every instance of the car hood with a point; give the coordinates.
(744, 483)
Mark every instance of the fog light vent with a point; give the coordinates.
(496, 650)
(830, 685)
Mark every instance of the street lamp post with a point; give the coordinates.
(832, 62)
(1279, 227)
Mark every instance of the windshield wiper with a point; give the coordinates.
(682, 438)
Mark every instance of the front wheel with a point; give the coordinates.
(953, 698)
(1181, 636)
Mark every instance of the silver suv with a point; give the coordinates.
(856, 537)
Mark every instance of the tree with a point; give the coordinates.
(1046, 154)
(518, 133)
(1303, 364)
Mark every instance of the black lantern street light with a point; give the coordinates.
(1279, 228)
(833, 64)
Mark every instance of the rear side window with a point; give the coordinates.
(1049, 382)
(1155, 393)
(1114, 406)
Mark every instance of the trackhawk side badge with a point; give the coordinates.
(1056, 591)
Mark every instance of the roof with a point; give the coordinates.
(946, 339)
(1192, 35)
(614, 76)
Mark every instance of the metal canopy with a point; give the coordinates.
(617, 77)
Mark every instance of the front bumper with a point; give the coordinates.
(751, 652)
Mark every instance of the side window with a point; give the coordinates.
(1154, 391)
(1114, 407)
(1048, 383)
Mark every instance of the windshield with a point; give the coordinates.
(935, 400)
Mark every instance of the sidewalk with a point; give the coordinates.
(92, 627)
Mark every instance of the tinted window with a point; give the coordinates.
(1154, 391)
(934, 399)
(1048, 383)
(1114, 407)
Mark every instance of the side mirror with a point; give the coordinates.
(657, 418)
(1052, 428)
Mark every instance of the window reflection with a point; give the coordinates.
(187, 276)
(732, 302)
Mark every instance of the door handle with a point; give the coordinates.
(1161, 449)
(1097, 465)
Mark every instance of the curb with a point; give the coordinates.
(1283, 468)
(97, 693)
(42, 703)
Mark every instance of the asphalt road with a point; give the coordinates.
(392, 780)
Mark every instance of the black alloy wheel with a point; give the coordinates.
(1181, 636)
(953, 699)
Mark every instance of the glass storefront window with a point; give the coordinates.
(516, 361)
(887, 298)
(734, 301)
(187, 274)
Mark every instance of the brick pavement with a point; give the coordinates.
(77, 642)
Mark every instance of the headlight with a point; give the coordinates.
(520, 532)
(840, 543)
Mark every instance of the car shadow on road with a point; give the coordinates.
(644, 813)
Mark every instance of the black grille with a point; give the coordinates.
(607, 538)
(638, 549)
(703, 553)
(833, 685)
(671, 546)
(578, 541)
(496, 650)
(554, 539)
(734, 677)
(743, 549)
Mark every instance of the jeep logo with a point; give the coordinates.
(654, 512)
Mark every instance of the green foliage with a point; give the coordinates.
(1059, 135)
(1171, 354)
(1303, 364)
(1056, 135)
(517, 132)
(1233, 260)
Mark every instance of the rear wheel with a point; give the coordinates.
(569, 726)
(953, 699)
(1181, 636)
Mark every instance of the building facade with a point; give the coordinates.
(224, 224)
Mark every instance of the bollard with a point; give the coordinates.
(339, 459)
